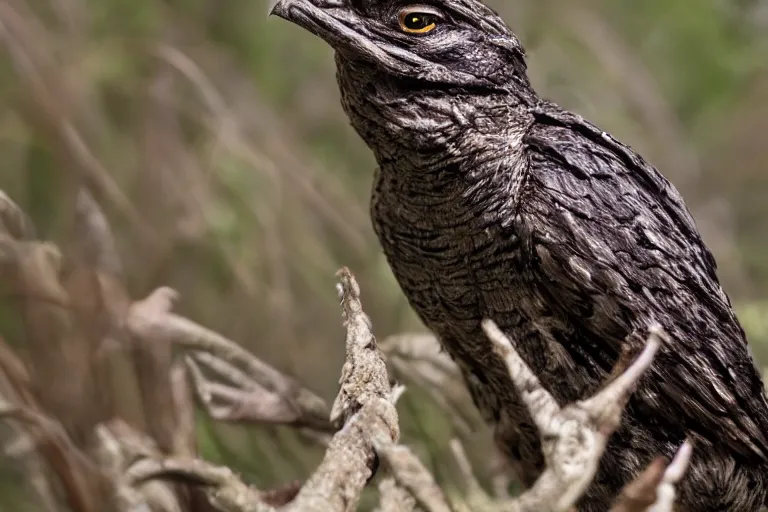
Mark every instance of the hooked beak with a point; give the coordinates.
(331, 20)
(291, 10)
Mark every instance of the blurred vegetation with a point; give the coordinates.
(213, 138)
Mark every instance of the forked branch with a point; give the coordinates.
(574, 437)
(256, 391)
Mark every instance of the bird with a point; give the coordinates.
(492, 202)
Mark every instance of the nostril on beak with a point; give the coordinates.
(279, 7)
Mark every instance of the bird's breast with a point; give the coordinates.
(453, 260)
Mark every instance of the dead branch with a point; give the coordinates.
(672, 475)
(60, 307)
(420, 361)
(574, 437)
(394, 498)
(653, 490)
(13, 221)
(82, 483)
(223, 488)
(365, 408)
(476, 497)
(364, 405)
(132, 470)
(15, 388)
(640, 494)
(410, 474)
(244, 401)
(152, 363)
(121, 448)
(184, 442)
(152, 319)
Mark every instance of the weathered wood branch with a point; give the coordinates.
(654, 489)
(574, 437)
(153, 319)
(394, 498)
(365, 408)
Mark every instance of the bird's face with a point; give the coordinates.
(418, 80)
(446, 43)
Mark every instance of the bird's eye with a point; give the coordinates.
(415, 20)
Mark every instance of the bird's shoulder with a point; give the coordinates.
(604, 202)
(613, 247)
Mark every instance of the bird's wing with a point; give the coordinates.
(613, 247)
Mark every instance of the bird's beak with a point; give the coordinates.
(343, 29)
(331, 20)
(286, 9)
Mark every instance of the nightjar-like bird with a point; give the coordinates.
(492, 202)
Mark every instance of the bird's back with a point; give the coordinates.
(614, 248)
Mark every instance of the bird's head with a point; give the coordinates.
(407, 68)
(459, 43)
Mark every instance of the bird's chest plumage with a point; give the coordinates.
(460, 256)
(445, 251)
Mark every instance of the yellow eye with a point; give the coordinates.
(414, 21)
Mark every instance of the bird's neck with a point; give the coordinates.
(428, 132)
(422, 126)
(449, 144)
(474, 168)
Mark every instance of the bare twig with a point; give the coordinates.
(246, 401)
(465, 467)
(364, 374)
(394, 498)
(184, 442)
(152, 359)
(411, 475)
(641, 493)
(672, 476)
(81, 482)
(364, 405)
(420, 361)
(131, 465)
(574, 437)
(27, 446)
(61, 405)
(653, 490)
(148, 321)
(224, 489)
(121, 446)
(13, 221)
(476, 496)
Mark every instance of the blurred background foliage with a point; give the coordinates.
(213, 138)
